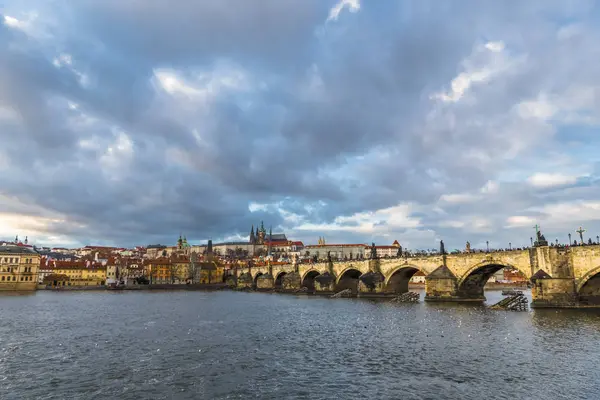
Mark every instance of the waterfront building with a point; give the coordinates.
(336, 251)
(418, 278)
(73, 273)
(19, 265)
(180, 270)
(159, 270)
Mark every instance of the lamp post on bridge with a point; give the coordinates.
(597, 239)
(531, 240)
(487, 245)
(557, 241)
(569, 239)
(509, 245)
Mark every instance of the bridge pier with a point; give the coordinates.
(324, 282)
(554, 293)
(291, 281)
(371, 283)
(442, 285)
(245, 281)
(265, 282)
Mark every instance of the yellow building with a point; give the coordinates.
(18, 267)
(75, 273)
(178, 270)
(160, 270)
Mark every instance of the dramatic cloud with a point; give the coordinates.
(128, 122)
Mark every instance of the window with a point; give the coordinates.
(14, 278)
(3, 278)
(21, 279)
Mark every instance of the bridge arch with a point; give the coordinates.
(279, 280)
(397, 280)
(471, 284)
(588, 288)
(308, 279)
(348, 279)
(255, 279)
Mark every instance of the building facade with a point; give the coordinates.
(19, 266)
(336, 251)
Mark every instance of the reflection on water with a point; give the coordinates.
(186, 345)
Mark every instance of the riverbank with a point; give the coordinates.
(204, 286)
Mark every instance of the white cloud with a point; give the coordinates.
(571, 213)
(459, 198)
(352, 5)
(495, 46)
(62, 60)
(254, 207)
(486, 62)
(575, 105)
(117, 155)
(546, 180)
(15, 23)
(377, 222)
(490, 187)
(172, 84)
(518, 221)
(540, 108)
(29, 24)
(203, 85)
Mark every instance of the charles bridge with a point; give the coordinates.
(560, 276)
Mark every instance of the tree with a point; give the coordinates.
(173, 268)
(193, 268)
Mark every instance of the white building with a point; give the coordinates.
(384, 251)
(336, 251)
(418, 277)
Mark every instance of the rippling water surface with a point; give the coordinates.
(225, 345)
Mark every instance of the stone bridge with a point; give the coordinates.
(561, 276)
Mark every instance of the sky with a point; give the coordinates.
(128, 122)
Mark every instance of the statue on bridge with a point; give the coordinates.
(442, 248)
(373, 252)
(541, 240)
(468, 247)
(329, 257)
(399, 254)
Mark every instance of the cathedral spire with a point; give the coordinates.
(252, 240)
(270, 240)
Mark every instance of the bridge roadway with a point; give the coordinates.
(560, 276)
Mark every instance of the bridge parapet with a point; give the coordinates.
(561, 276)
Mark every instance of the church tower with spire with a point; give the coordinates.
(262, 232)
(252, 239)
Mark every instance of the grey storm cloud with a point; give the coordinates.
(129, 122)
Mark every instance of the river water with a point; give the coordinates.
(227, 345)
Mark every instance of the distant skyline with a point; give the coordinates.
(127, 123)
